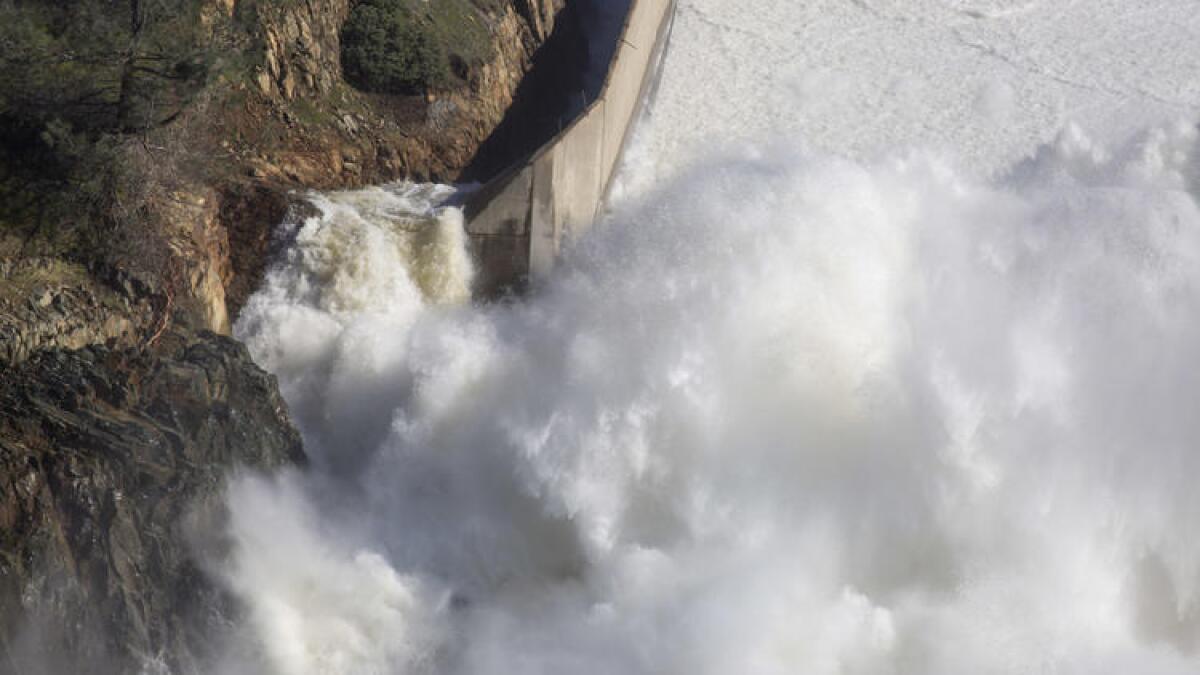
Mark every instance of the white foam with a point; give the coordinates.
(869, 78)
(822, 416)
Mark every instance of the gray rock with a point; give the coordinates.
(112, 465)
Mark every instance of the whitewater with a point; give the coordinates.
(883, 360)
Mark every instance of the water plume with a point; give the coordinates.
(784, 413)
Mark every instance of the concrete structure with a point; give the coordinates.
(520, 221)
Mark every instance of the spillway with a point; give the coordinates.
(882, 360)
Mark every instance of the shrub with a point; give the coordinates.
(102, 65)
(386, 48)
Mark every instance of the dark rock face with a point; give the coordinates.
(111, 470)
(50, 304)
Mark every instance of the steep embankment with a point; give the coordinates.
(299, 124)
(110, 466)
(178, 178)
(145, 157)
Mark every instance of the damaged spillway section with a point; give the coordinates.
(520, 221)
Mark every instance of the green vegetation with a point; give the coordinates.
(100, 65)
(460, 26)
(412, 46)
(78, 82)
(109, 108)
(387, 49)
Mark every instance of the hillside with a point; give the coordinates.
(147, 152)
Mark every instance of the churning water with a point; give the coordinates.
(784, 411)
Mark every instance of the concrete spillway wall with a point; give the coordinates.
(519, 222)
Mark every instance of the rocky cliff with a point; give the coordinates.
(297, 124)
(111, 463)
(139, 187)
(183, 192)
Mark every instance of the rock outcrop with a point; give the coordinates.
(111, 462)
(49, 304)
(332, 136)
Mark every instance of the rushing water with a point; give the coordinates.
(786, 410)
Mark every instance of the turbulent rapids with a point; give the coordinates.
(785, 410)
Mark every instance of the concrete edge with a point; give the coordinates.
(541, 203)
